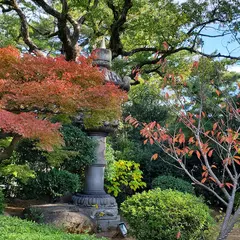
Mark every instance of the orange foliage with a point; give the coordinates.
(49, 86)
(28, 126)
(179, 147)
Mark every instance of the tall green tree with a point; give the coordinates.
(143, 32)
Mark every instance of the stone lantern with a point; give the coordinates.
(94, 201)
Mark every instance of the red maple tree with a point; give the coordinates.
(35, 89)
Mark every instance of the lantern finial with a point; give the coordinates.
(103, 44)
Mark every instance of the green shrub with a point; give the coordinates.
(161, 214)
(1, 201)
(53, 184)
(29, 161)
(126, 175)
(110, 159)
(77, 141)
(14, 228)
(77, 153)
(170, 182)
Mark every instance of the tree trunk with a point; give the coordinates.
(224, 228)
(229, 219)
(71, 52)
(223, 234)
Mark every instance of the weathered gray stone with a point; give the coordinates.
(102, 209)
(66, 216)
(99, 206)
(102, 59)
(94, 202)
(94, 176)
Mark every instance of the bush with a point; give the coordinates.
(162, 214)
(126, 176)
(77, 153)
(53, 184)
(170, 182)
(128, 144)
(13, 228)
(77, 141)
(29, 161)
(1, 201)
(110, 160)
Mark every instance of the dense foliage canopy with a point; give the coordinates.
(141, 33)
(33, 90)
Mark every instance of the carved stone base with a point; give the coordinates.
(102, 209)
(88, 200)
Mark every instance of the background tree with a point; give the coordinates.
(143, 33)
(211, 119)
(144, 104)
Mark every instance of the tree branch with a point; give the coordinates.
(47, 8)
(203, 24)
(47, 34)
(166, 53)
(25, 30)
(212, 36)
(120, 18)
(5, 10)
(191, 176)
(156, 70)
(142, 49)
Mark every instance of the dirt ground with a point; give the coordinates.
(235, 234)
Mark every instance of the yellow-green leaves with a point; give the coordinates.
(127, 175)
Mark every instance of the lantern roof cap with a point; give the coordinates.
(102, 58)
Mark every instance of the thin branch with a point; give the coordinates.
(47, 34)
(213, 36)
(156, 70)
(5, 10)
(205, 158)
(211, 20)
(141, 49)
(192, 177)
(217, 55)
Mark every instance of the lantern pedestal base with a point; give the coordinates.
(102, 209)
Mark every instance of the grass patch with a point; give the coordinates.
(12, 228)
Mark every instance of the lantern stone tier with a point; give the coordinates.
(94, 201)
